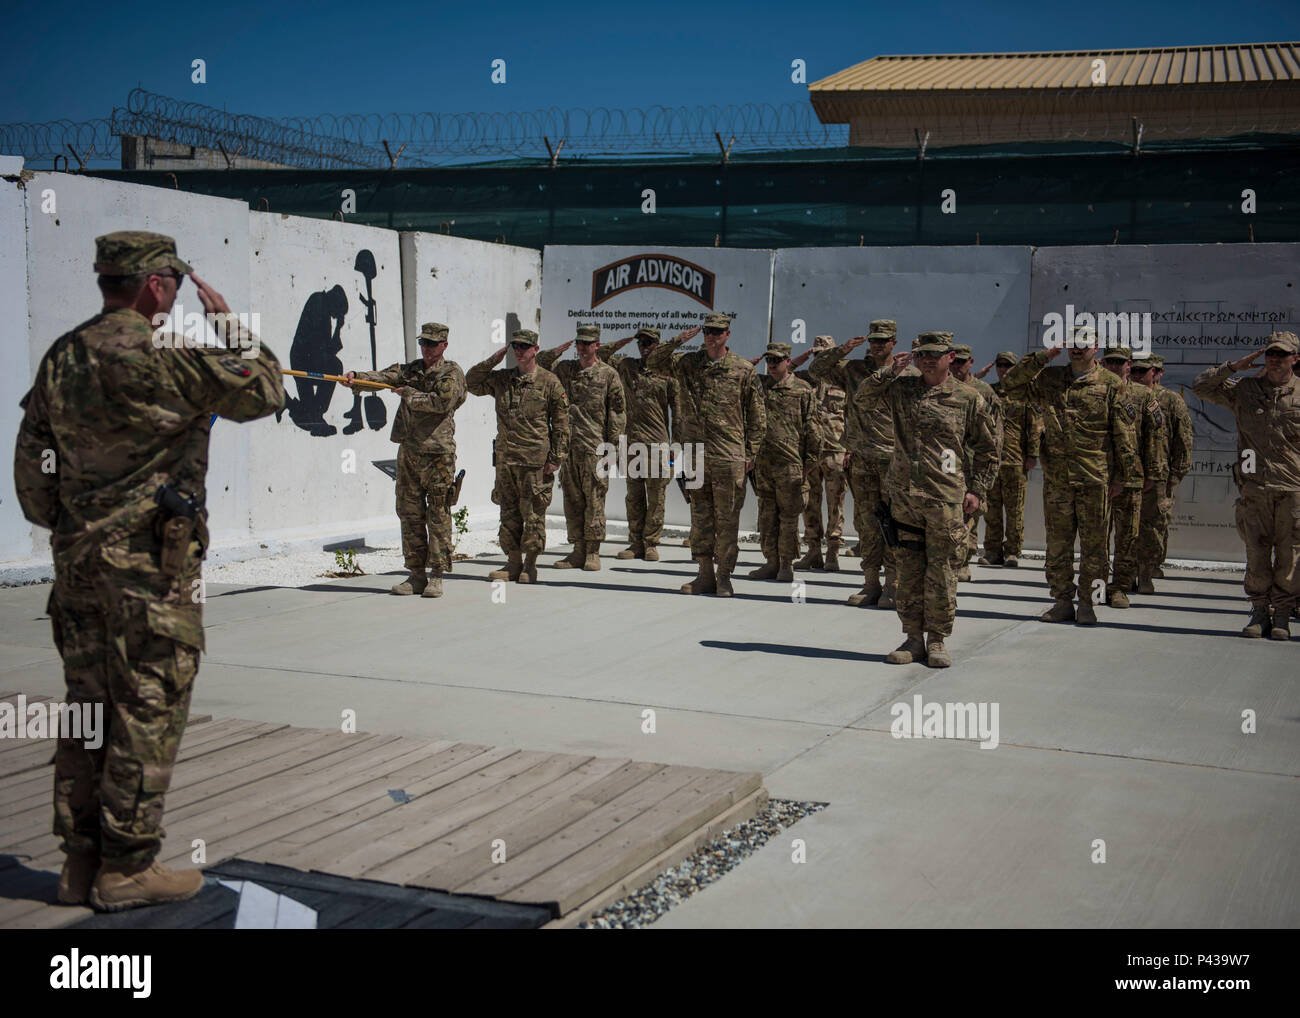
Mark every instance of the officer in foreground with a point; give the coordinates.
(112, 458)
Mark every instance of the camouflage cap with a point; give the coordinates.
(1117, 353)
(1007, 357)
(524, 336)
(1156, 361)
(135, 252)
(1284, 341)
(434, 331)
(932, 342)
(883, 329)
(1084, 335)
(1142, 363)
(646, 332)
(586, 333)
(961, 352)
(823, 342)
(717, 320)
(781, 350)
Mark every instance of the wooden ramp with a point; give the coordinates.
(570, 833)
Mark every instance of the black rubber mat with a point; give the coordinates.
(339, 903)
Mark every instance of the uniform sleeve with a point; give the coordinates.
(446, 397)
(394, 374)
(661, 359)
(232, 386)
(1154, 467)
(982, 447)
(614, 360)
(1033, 430)
(482, 380)
(812, 432)
(546, 359)
(754, 411)
(557, 414)
(875, 384)
(1126, 464)
(828, 366)
(1023, 375)
(1180, 440)
(36, 460)
(1212, 385)
(615, 410)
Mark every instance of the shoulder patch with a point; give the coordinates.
(235, 366)
(1130, 410)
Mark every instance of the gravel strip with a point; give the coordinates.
(707, 864)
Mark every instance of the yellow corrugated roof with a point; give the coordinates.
(1173, 65)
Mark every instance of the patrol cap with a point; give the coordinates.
(1006, 357)
(524, 336)
(588, 333)
(135, 252)
(781, 350)
(432, 332)
(823, 342)
(1118, 353)
(961, 352)
(883, 330)
(1156, 361)
(717, 320)
(1143, 363)
(1285, 341)
(932, 342)
(647, 332)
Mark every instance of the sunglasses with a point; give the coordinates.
(1005, 364)
(774, 360)
(1139, 371)
(432, 342)
(588, 342)
(1277, 353)
(714, 332)
(518, 347)
(646, 341)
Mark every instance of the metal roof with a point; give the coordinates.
(1152, 67)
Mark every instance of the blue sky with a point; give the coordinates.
(79, 60)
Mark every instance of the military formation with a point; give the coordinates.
(112, 456)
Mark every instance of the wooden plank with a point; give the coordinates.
(273, 841)
(527, 865)
(26, 755)
(748, 808)
(455, 874)
(18, 787)
(636, 842)
(467, 852)
(353, 851)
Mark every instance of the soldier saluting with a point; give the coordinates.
(432, 389)
(127, 421)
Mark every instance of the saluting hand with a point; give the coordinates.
(984, 370)
(902, 360)
(1238, 365)
(855, 342)
(1054, 351)
(213, 302)
(690, 333)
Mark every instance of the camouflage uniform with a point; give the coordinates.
(425, 428)
(1088, 441)
(869, 442)
(1144, 413)
(649, 396)
(532, 430)
(729, 414)
(597, 413)
(1176, 454)
(926, 487)
(993, 401)
(1021, 428)
(829, 472)
(122, 418)
(1268, 508)
(789, 451)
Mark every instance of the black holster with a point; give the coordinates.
(889, 528)
(175, 528)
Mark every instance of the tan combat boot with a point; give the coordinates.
(832, 557)
(575, 558)
(812, 560)
(767, 571)
(631, 551)
(888, 596)
(1158, 573)
(1010, 562)
(119, 886)
(704, 582)
(1084, 615)
(511, 571)
(591, 563)
(78, 875)
(1116, 598)
(991, 560)
(868, 595)
(529, 572)
(913, 649)
(1145, 585)
(786, 573)
(724, 581)
(1281, 625)
(1062, 611)
(413, 584)
(963, 574)
(1259, 621)
(936, 655)
(434, 589)
(651, 553)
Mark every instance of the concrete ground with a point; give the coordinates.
(1125, 739)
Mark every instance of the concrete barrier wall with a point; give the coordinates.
(671, 288)
(483, 293)
(16, 534)
(1208, 304)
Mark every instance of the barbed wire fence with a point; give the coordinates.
(341, 141)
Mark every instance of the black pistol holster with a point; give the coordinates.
(175, 527)
(889, 528)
